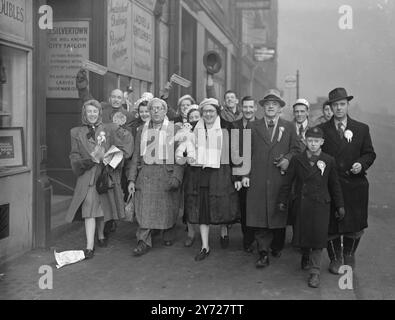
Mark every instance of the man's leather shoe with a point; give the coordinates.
(276, 254)
(141, 249)
(168, 243)
(314, 280)
(189, 242)
(305, 263)
(102, 243)
(89, 253)
(263, 261)
(224, 242)
(334, 266)
(203, 254)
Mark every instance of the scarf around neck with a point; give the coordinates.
(162, 144)
(209, 144)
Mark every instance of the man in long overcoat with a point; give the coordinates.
(273, 145)
(155, 180)
(349, 142)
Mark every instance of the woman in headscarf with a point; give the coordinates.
(155, 179)
(89, 142)
(210, 188)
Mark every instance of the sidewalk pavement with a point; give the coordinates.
(165, 272)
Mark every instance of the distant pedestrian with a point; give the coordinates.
(326, 116)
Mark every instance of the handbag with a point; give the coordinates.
(129, 209)
(104, 183)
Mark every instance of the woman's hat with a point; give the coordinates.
(186, 97)
(272, 95)
(338, 94)
(212, 102)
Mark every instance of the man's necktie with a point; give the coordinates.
(300, 133)
(340, 130)
(270, 126)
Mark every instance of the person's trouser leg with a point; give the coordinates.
(278, 242)
(248, 232)
(264, 238)
(144, 235)
(305, 262)
(315, 261)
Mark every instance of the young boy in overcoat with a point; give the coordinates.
(316, 185)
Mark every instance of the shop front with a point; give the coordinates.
(16, 127)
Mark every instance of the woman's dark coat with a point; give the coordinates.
(223, 197)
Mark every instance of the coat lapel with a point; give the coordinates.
(344, 142)
(260, 127)
(277, 132)
(84, 140)
(332, 133)
(310, 170)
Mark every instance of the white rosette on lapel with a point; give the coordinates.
(321, 165)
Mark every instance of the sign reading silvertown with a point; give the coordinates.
(68, 46)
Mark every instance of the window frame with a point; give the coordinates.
(28, 123)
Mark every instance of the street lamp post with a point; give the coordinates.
(297, 84)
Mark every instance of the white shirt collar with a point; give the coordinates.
(275, 120)
(304, 124)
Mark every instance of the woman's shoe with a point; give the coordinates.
(89, 253)
(102, 243)
(203, 254)
(189, 242)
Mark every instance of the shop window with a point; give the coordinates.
(13, 106)
(13, 87)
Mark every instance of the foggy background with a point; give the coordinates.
(362, 59)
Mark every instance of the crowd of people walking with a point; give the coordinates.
(311, 176)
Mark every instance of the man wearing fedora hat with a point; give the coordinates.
(349, 142)
(274, 143)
